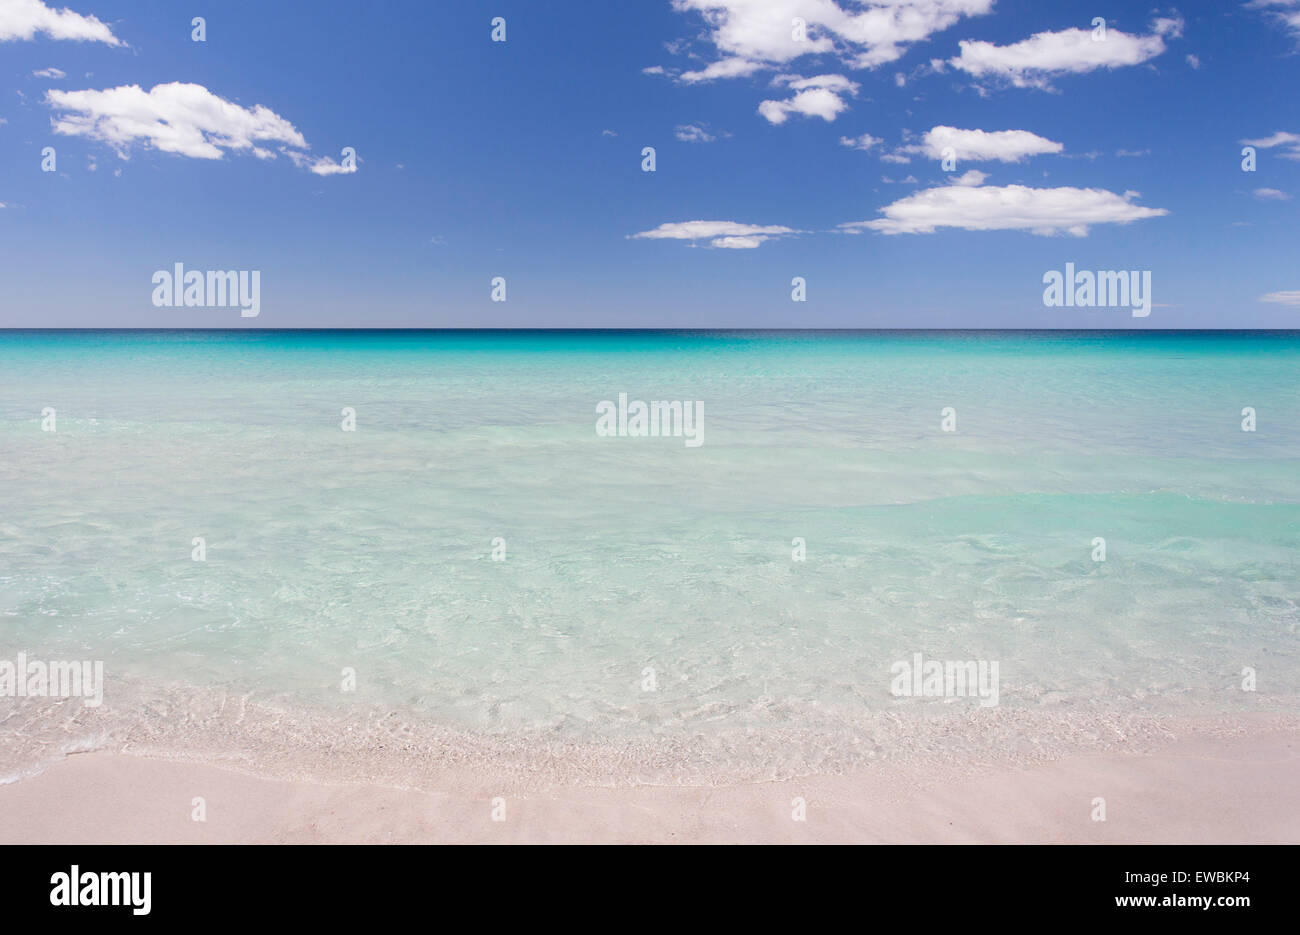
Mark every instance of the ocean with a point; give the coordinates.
(470, 576)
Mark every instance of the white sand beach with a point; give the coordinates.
(1199, 789)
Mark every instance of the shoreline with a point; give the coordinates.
(1199, 788)
(378, 745)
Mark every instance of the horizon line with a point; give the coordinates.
(648, 330)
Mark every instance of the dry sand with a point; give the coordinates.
(1199, 789)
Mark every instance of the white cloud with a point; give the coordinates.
(50, 72)
(1032, 62)
(23, 19)
(609, 133)
(861, 33)
(1285, 13)
(1132, 153)
(1290, 140)
(971, 177)
(984, 145)
(690, 133)
(730, 235)
(726, 68)
(1271, 194)
(968, 205)
(186, 119)
(320, 165)
(1283, 298)
(816, 97)
(750, 36)
(864, 142)
(1194, 61)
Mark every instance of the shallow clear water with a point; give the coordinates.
(373, 549)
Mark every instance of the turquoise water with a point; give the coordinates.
(372, 550)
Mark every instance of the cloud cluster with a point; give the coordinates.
(1033, 62)
(729, 235)
(968, 205)
(753, 34)
(23, 19)
(1291, 298)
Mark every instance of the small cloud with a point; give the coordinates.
(728, 235)
(319, 165)
(609, 133)
(969, 205)
(1290, 141)
(1132, 153)
(1291, 298)
(725, 68)
(1193, 61)
(1033, 62)
(438, 240)
(864, 142)
(693, 133)
(1271, 194)
(982, 145)
(970, 178)
(815, 97)
(50, 72)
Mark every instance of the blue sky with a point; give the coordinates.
(523, 159)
